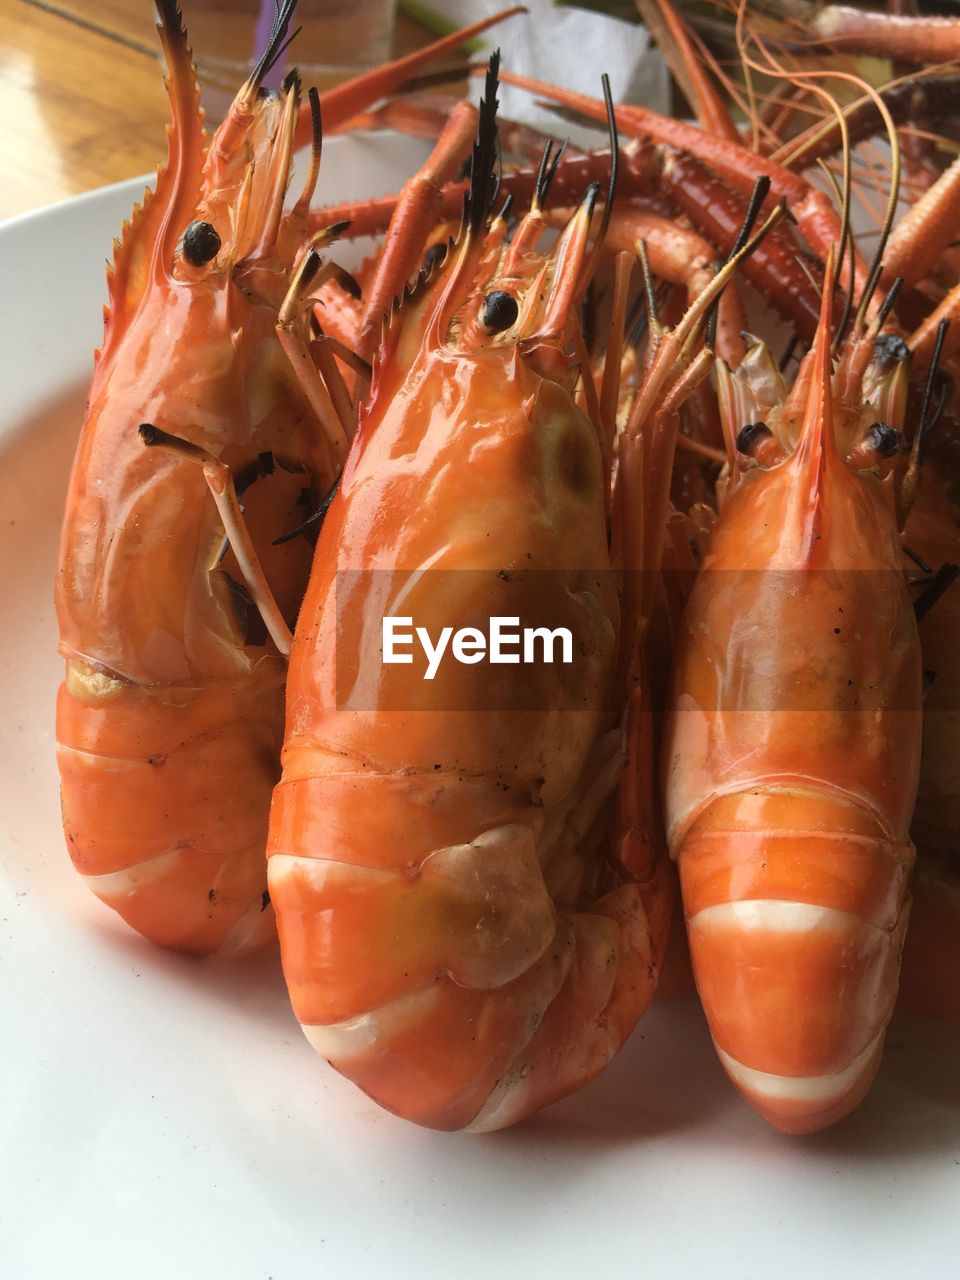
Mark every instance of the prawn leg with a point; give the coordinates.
(740, 167)
(341, 103)
(900, 36)
(414, 218)
(326, 401)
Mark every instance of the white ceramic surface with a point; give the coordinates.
(164, 1117)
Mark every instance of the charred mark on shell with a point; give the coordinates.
(348, 283)
(573, 461)
(887, 305)
(201, 244)
(549, 163)
(590, 198)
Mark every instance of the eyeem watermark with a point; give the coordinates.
(505, 642)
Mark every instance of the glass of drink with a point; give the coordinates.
(337, 39)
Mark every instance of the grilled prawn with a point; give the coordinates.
(453, 937)
(793, 746)
(170, 716)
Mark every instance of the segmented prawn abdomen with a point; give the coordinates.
(791, 763)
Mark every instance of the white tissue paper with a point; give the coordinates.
(566, 46)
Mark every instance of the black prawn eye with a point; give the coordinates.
(500, 311)
(200, 243)
(886, 440)
(750, 435)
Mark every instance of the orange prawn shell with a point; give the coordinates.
(166, 712)
(791, 765)
(140, 532)
(848, 675)
(469, 444)
(403, 844)
(163, 698)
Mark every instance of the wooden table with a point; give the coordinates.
(82, 102)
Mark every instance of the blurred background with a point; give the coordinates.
(82, 98)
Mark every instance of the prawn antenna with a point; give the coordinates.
(761, 189)
(654, 327)
(316, 151)
(316, 517)
(594, 259)
(549, 163)
(278, 43)
(945, 576)
(888, 303)
(483, 159)
(917, 560)
(223, 491)
(614, 157)
(926, 420)
(873, 275)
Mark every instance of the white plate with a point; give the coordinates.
(164, 1117)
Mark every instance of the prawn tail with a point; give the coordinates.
(123, 752)
(618, 947)
(795, 937)
(465, 1000)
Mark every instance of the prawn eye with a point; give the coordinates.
(200, 243)
(500, 311)
(751, 435)
(886, 440)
